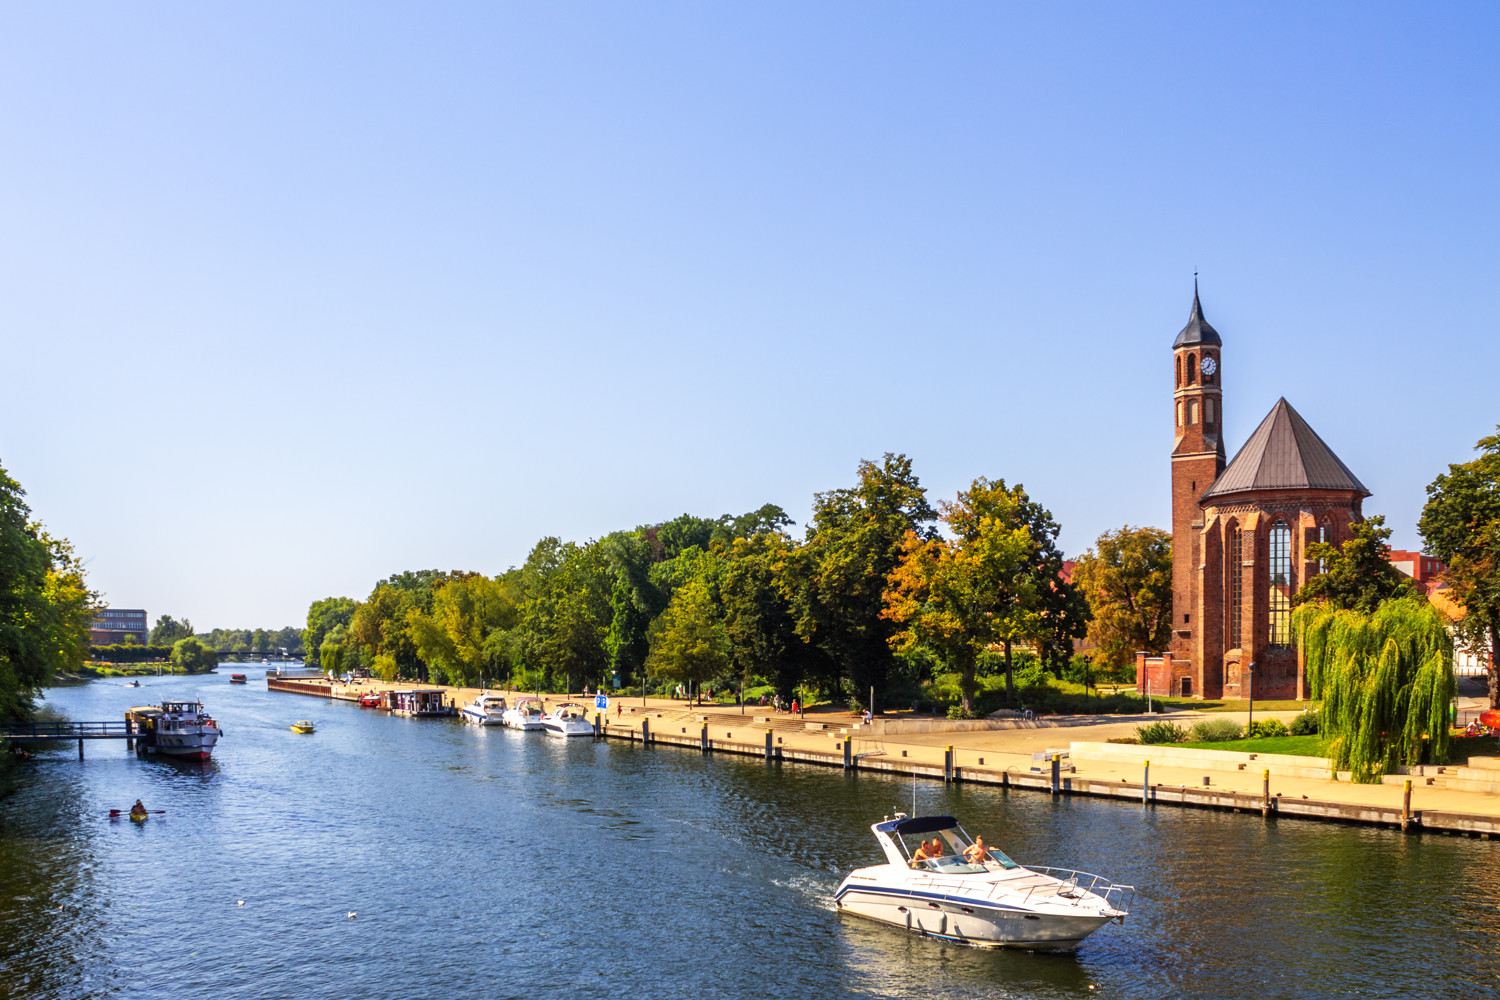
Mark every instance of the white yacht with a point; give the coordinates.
(568, 720)
(176, 729)
(524, 714)
(989, 902)
(485, 710)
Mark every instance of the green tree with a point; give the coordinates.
(191, 656)
(168, 630)
(758, 617)
(566, 612)
(454, 637)
(333, 651)
(1461, 526)
(1358, 575)
(1385, 679)
(689, 643)
(1126, 578)
(45, 606)
(322, 617)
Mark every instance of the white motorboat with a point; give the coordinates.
(176, 729)
(568, 720)
(485, 710)
(985, 900)
(524, 714)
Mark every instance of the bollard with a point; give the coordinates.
(645, 731)
(1056, 773)
(1405, 797)
(80, 757)
(948, 765)
(1146, 784)
(848, 755)
(768, 744)
(1265, 792)
(703, 739)
(598, 726)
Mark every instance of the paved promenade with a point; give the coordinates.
(1005, 756)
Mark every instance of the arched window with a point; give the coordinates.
(1208, 412)
(1282, 584)
(1192, 411)
(1192, 369)
(1236, 585)
(1179, 412)
(1325, 535)
(1179, 370)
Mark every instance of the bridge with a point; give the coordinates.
(21, 733)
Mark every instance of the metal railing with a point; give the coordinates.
(63, 730)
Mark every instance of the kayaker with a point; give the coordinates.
(137, 809)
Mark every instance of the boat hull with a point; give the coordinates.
(967, 921)
(480, 718)
(568, 729)
(187, 746)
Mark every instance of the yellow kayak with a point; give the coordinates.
(138, 817)
(302, 727)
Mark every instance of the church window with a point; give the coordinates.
(1179, 413)
(1323, 537)
(1179, 371)
(1192, 369)
(1192, 411)
(1236, 585)
(1208, 412)
(1281, 585)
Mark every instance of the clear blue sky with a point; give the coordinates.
(295, 296)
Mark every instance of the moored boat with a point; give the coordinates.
(421, 702)
(568, 720)
(485, 710)
(972, 894)
(175, 729)
(371, 700)
(524, 714)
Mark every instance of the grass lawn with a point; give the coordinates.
(1298, 746)
(1461, 748)
(1236, 705)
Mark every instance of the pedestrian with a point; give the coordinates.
(794, 706)
(618, 709)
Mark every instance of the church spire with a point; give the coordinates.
(1197, 330)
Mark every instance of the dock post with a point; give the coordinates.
(768, 744)
(129, 728)
(598, 726)
(948, 764)
(1056, 773)
(80, 757)
(1405, 796)
(1265, 792)
(1146, 784)
(703, 738)
(848, 754)
(645, 731)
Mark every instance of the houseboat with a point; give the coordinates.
(421, 702)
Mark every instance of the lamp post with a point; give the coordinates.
(1250, 718)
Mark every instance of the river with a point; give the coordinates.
(491, 863)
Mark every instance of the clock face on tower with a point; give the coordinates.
(1208, 366)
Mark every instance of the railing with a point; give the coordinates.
(63, 730)
(1072, 884)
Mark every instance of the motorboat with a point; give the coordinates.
(133, 684)
(974, 894)
(175, 729)
(303, 726)
(524, 714)
(485, 710)
(238, 679)
(372, 700)
(568, 720)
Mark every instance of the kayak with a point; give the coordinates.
(139, 817)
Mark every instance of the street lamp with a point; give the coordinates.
(1250, 682)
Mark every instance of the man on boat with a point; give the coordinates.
(137, 811)
(929, 851)
(976, 853)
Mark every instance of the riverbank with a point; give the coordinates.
(1019, 757)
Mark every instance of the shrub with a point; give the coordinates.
(957, 712)
(1267, 727)
(1217, 731)
(1305, 724)
(1161, 732)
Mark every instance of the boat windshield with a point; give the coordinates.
(952, 859)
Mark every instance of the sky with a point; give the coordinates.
(296, 296)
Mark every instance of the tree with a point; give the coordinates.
(836, 581)
(466, 611)
(1385, 679)
(45, 606)
(1126, 578)
(191, 656)
(1461, 526)
(1359, 575)
(758, 618)
(322, 617)
(333, 651)
(168, 630)
(688, 641)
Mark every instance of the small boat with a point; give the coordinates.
(987, 901)
(485, 710)
(237, 679)
(304, 726)
(568, 720)
(175, 729)
(370, 701)
(525, 714)
(133, 684)
(139, 817)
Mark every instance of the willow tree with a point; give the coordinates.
(1385, 680)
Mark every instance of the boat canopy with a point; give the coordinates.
(918, 824)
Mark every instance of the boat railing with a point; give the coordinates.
(1072, 884)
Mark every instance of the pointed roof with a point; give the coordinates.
(1197, 330)
(1285, 453)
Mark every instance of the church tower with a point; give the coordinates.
(1197, 460)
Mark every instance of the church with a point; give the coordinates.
(1240, 532)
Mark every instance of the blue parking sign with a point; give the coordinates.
(601, 701)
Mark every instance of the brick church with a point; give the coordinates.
(1239, 534)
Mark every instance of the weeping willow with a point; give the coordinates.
(1385, 680)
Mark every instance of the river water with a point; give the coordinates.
(490, 863)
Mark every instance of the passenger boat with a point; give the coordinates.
(990, 903)
(303, 726)
(524, 714)
(237, 679)
(568, 720)
(175, 729)
(485, 710)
